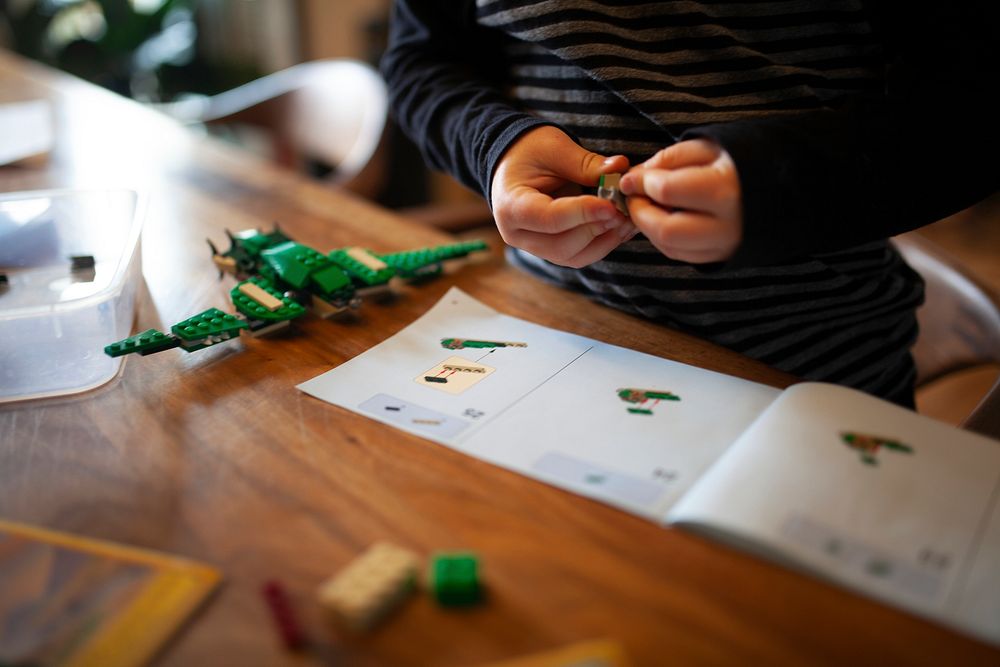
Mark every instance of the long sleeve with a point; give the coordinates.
(925, 148)
(445, 89)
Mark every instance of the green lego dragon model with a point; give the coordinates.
(280, 279)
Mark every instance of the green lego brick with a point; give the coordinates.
(410, 262)
(358, 269)
(294, 263)
(147, 342)
(254, 241)
(640, 411)
(454, 579)
(211, 323)
(330, 279)
(249, 307)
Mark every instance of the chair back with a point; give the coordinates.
(330, 111)
(959, 324)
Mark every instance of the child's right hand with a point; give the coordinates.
(538, 203)
(686, 199)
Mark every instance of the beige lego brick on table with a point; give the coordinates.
(370, 586)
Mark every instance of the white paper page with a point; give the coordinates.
(549, 407)
(913, 522)
(25, 130)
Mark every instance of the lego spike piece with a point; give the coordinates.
(370, 587)
(453, 578)
(147, 342)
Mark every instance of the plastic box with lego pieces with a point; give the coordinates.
(72, 264)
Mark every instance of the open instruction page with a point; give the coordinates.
(888, 502)
(624, 427)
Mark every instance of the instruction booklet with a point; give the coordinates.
(820, 477)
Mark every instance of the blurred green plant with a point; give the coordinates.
(145, 49)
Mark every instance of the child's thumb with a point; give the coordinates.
(578, 165)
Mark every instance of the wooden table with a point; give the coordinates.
(217, 457)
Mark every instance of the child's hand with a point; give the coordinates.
(686, 200)
(538, 205)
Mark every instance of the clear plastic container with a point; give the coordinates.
(55, 319)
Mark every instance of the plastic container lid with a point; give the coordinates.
(70, 265)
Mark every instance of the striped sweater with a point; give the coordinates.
(823, 106)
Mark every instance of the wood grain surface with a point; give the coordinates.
(216, 456)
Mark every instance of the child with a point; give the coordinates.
(778, 145)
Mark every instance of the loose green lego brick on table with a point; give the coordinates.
(212, 322)
(454, 579)
(289, 309)
(151, 340)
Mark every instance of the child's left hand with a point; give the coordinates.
(686, 200)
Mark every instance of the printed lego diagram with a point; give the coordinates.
(412, 416)
(921, 577)
(462, 343)
(640, 397)
(593, 478)
(868, 445)
(454, 375)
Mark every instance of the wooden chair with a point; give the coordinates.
(328, 112)
(958, 350)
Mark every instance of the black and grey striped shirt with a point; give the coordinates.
(796, 91)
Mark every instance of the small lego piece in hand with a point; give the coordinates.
(454, 579)
(371, 586)
(607, 188)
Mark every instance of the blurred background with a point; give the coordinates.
(175, 53)
(233, 68)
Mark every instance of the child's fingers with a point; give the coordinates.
(577, 247)
(697, 188)
(684, 154)
(534, 211)
(684, 235)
